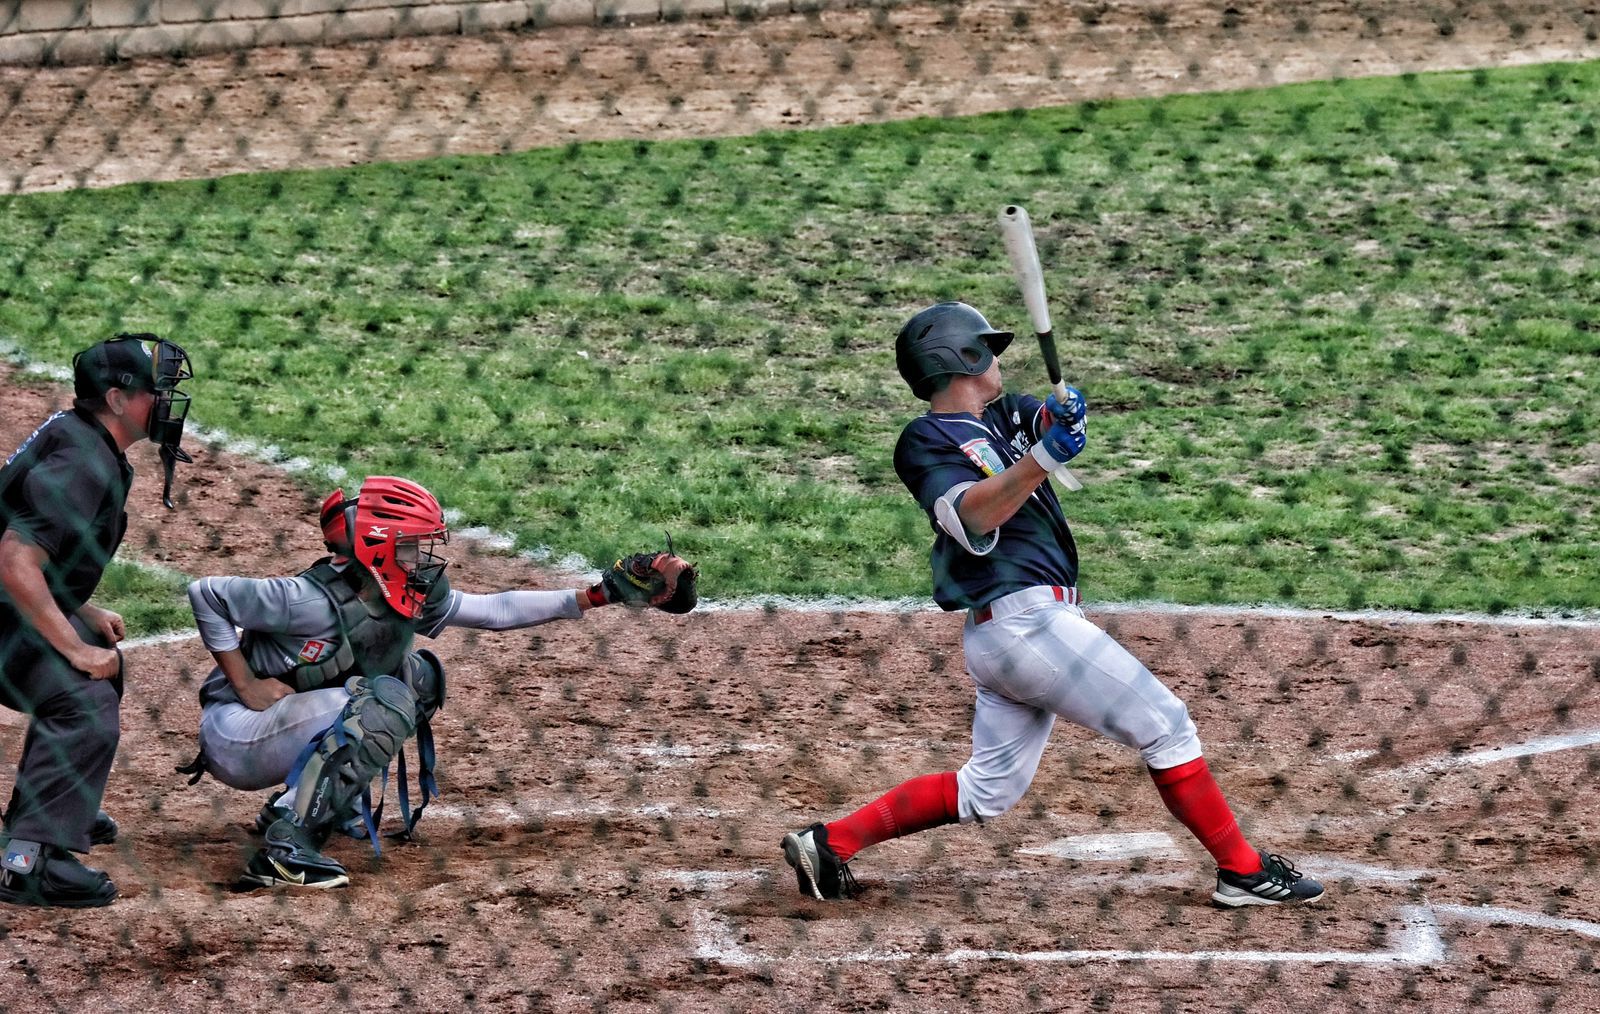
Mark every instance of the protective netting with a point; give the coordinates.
(1336, 344)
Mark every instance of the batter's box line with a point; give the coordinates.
(1417, 943)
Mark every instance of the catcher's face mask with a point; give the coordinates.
(398, 528)
(417, 558)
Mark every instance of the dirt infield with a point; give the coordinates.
(615, 788)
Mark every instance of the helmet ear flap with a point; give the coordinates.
(338, 519)
(350, 527)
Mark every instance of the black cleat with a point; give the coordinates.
(1278, 883)
(50, 877)
(103, 831)
(817, 869)
(290, 860)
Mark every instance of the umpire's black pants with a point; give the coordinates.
(72, 737)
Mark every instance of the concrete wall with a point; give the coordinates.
(95, 31)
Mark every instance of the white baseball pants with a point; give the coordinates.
(1035, 658)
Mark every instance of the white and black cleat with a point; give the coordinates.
(818, 872)
(1277, 883)
(289, 859)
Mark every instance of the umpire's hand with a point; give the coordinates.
(103, 622)
(96, 663)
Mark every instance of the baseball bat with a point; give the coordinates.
(1017, 232)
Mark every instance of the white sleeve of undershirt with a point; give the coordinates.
(947, 511)
(513, 610)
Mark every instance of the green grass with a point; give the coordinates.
(150, 599)
(1337, 340)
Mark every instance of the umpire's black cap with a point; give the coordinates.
(122, 362)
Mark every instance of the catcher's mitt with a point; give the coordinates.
(659, 579)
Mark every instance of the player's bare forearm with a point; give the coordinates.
(257, 694)
(991, 502)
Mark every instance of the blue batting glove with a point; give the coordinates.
(1074, 411)
(1067, 434)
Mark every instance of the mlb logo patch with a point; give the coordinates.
(983, 456)
(21, 857)
(315, 651)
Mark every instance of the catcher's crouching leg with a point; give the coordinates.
(380, 716)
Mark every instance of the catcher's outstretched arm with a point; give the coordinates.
(513, 610)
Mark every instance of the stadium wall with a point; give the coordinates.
(47, 32)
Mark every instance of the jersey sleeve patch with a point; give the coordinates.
(984, 456)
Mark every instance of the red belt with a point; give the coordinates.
(985, 613)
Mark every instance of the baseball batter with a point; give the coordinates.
(977, 462)
(317, 686)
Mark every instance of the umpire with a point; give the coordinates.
(62, 498)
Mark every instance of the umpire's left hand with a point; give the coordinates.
(104, 622)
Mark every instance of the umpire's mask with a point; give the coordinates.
(144, 362)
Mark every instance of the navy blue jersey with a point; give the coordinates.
(939, 451)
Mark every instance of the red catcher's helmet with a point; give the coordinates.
(398, 525)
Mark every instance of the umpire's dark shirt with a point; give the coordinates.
(64, 490)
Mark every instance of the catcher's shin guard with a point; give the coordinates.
(337, 768)
(424, 674)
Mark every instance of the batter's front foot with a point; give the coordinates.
(1278, 883)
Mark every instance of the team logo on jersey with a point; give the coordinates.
(983, 456)
(315, 651)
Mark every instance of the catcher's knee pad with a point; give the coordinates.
(380, 716)
(424, 674)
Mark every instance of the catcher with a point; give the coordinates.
(323, 688)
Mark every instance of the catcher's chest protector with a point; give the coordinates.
(373, 639)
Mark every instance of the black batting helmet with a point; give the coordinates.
(943, 339)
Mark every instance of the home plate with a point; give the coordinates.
(1108, 847)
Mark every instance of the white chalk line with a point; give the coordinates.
(577, 567)
(1495, 754)
(1107, 847)
(1518, 917)
(1159, 845)
(1417, 943)
(499, 814)
(1330, 867)
(171, 637)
